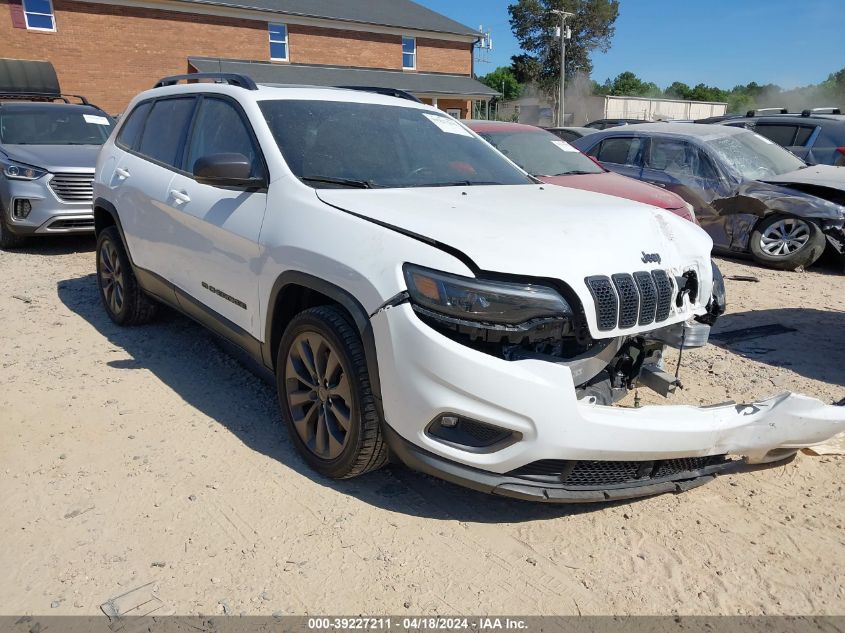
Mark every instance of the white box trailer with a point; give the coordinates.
(584, 110)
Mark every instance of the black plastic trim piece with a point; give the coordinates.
(465, 440)
(605, 320)
(233, 79)
(421, 460)
(359, 316)
(389, 92)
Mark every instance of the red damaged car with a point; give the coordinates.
(545, 156)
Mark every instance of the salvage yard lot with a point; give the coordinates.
(146, 461)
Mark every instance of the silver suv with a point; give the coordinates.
(47, 156)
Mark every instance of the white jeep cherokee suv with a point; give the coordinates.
(418, 295)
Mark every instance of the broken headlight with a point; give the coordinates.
(718, 299)
(479, 300)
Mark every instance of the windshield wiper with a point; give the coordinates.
(575, 172)
(459, 183)
(346, 182)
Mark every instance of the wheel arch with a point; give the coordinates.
(295, 291)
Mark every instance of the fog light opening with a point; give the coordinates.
(470, 435)
(22, 209)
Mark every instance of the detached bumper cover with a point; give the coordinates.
(424, 375)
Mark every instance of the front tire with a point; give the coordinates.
(787, 242)
(124, 300)
(325, 395)
(8, 240)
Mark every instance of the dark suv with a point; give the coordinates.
(817, 138)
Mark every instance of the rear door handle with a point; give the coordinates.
(123, 173)
(180, 196)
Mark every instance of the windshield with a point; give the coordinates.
(541, 153)
(753, 156)
(339, 144)
(53, 126)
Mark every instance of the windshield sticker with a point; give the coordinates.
(566, 147)
(95, 119)
(447, 124)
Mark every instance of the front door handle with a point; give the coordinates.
(123, 173)
(180, 196)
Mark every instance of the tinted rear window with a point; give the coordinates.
(164, 133)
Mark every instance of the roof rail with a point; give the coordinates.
(826, 110)
(390, 92)
(761, 110)
(39, 96)
(233, 79)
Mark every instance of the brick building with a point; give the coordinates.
(111, 50)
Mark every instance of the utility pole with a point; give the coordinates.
(563, 15)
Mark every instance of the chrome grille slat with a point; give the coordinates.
(73, 187)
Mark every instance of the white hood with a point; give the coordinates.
(543, 231)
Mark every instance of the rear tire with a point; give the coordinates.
(325, 395)
(122, 297)
(8, 240)
(787, 242)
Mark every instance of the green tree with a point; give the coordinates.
(534, 24)
(678, 90)
(503, 80)
(526, 68)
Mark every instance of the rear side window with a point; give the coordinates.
(783, 135)
(130, 132)
(804, 134)
(164, 132)
(220, 129)
(619, 151)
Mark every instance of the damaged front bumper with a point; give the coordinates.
(553, 446)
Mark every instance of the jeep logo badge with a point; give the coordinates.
(651, 258)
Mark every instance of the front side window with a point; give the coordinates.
(541, 153)
(164, 132)
(409, 53)
(130, 131)
(279, 42)
(619, 151)
(754, 157)
(39, 15)
(220, 129)
(679, 159)
(346, 144)
(53, 124)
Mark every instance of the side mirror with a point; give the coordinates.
(226, 170)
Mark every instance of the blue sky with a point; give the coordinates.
(717, 42)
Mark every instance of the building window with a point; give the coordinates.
(409, 53)
(39, 15)
(279, 42)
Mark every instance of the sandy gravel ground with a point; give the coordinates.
(146, 463)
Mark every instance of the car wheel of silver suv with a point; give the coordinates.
(7, 238)
(125, 302)
(325, 395)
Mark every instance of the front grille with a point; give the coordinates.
(664, 294)
(625, 300)
(648, 297)
(607, 304)
(598, 474)
(73, 187)
(629, 300)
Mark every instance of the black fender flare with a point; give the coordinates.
(346, 300)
